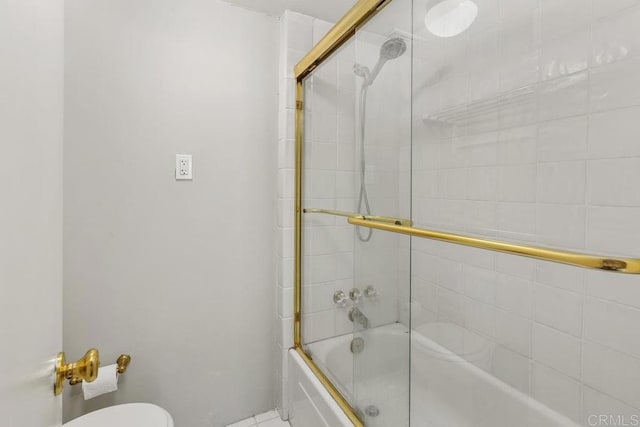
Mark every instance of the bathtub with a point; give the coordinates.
(450, 383)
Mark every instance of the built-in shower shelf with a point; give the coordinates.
(403, 226)
(483, 110)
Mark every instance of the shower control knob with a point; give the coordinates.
(370, 292)
(355, 294)
(340, 298)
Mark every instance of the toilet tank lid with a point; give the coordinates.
(126, 415)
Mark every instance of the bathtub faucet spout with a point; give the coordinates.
(356, 316)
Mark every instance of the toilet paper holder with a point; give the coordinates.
(122, 362)
(85, 369)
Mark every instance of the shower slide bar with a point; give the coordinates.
(403, 226)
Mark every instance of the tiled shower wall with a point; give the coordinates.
(527, 128)
(298, 33)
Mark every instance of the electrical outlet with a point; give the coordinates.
(184, 166)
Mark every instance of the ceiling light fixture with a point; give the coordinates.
(448, 18)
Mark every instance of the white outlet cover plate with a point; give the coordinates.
(184, 166)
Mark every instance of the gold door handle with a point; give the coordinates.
(85, 369)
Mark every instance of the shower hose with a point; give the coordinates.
(363, 198)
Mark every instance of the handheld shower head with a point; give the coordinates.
(390, 49)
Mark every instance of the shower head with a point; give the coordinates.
(390, 49)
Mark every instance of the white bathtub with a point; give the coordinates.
(450, 385)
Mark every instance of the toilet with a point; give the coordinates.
(126, 415)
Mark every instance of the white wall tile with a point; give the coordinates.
(517, 183)
(322, 268)
(516, 219)
(318, 326)
(612, 182)
(613, 230)
(325, 126)
(614, 133)
(560, 276)
(558, 392)
(516, 266)
(285, 269)
(557, 350)
(561, 225)
(563, 139)
(554, 13)
(514, 332)
(612, 373)
(285, 302)
(477, 257)
(514, 295)
(285, 213)
(565, 55)
(613, 325)
(561, 182)
(449, 274)
(614, 85)
(512, 368)
(603, 8)
(480, 317)
(481, 183)
(616, 38)
(517, 145)
(451, 183)
(479, 283)
(286, 154)
(558, 309)
(620, 288)
(596, 404)
(564, 97)
(346, 157)
(323, 155)
(323, 184)
(450, 306)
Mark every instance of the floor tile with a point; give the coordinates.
(274, 422)
(249, 422)
(266, 416)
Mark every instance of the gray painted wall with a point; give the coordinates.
(178, 274)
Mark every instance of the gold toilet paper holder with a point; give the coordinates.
(85, 369)
(122, 362)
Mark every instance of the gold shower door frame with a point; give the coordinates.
(341, 32)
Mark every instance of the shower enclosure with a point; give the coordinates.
(466, 213)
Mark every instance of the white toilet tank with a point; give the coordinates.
(127, 415)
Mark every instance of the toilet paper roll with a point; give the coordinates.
(106, 382)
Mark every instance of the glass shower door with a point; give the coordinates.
(382, 188)
(356, 161)
(328, 199)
